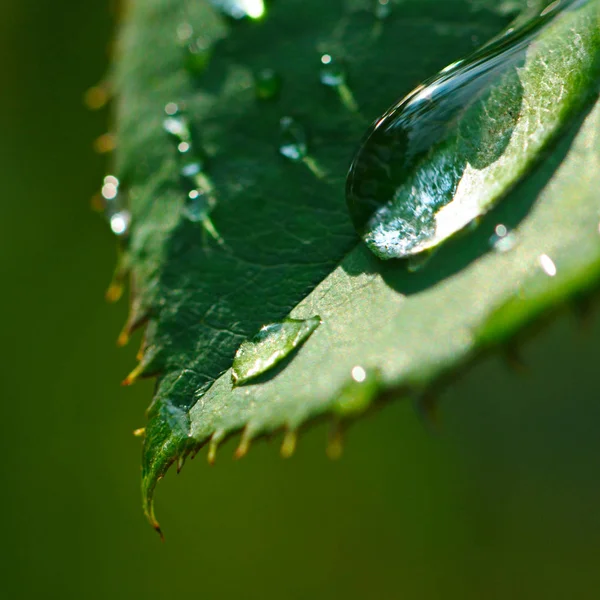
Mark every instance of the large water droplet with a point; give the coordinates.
(267, 84)
(447, 153)
(270, 346)
(293, 143)
(239, 9)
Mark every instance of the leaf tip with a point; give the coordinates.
(288, 446)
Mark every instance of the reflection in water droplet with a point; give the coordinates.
(270, 346)
(333, 74)
(547, 265)
(449, 151)
(239, 9)
(267, 84)
(382, 9)
(503, 240)
(293, 143)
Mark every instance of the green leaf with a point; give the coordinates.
(285, 245)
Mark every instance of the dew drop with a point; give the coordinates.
(197, 206)
(445, 154)
(115, 212)
(267, 84)
(547, 265)
(293, 144)
(358, 394)
(503, 240)
(240, 9)
(382, 9)
(333, 75)
(270, 346)
(332, 72)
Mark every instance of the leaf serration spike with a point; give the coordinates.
(288, 446)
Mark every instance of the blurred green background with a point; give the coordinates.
(502, 502)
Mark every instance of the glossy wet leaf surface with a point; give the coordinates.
(286, 245)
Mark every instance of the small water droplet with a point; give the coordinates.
(430, 165)
(332, 73)
(547, 265)
(358, 394)
(197, 206)
(267, 84)
(270, 346)
(382, 9)
(240, 9)
(293, 144)
(503, 240)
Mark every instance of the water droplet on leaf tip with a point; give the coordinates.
(430, 165)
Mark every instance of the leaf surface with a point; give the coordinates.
(288, 247)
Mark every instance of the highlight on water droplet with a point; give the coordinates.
(272, 344)
(455, 146)
(267, 84)
(240, 9)
(547, 265)
(333, 74)
(503, 240)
